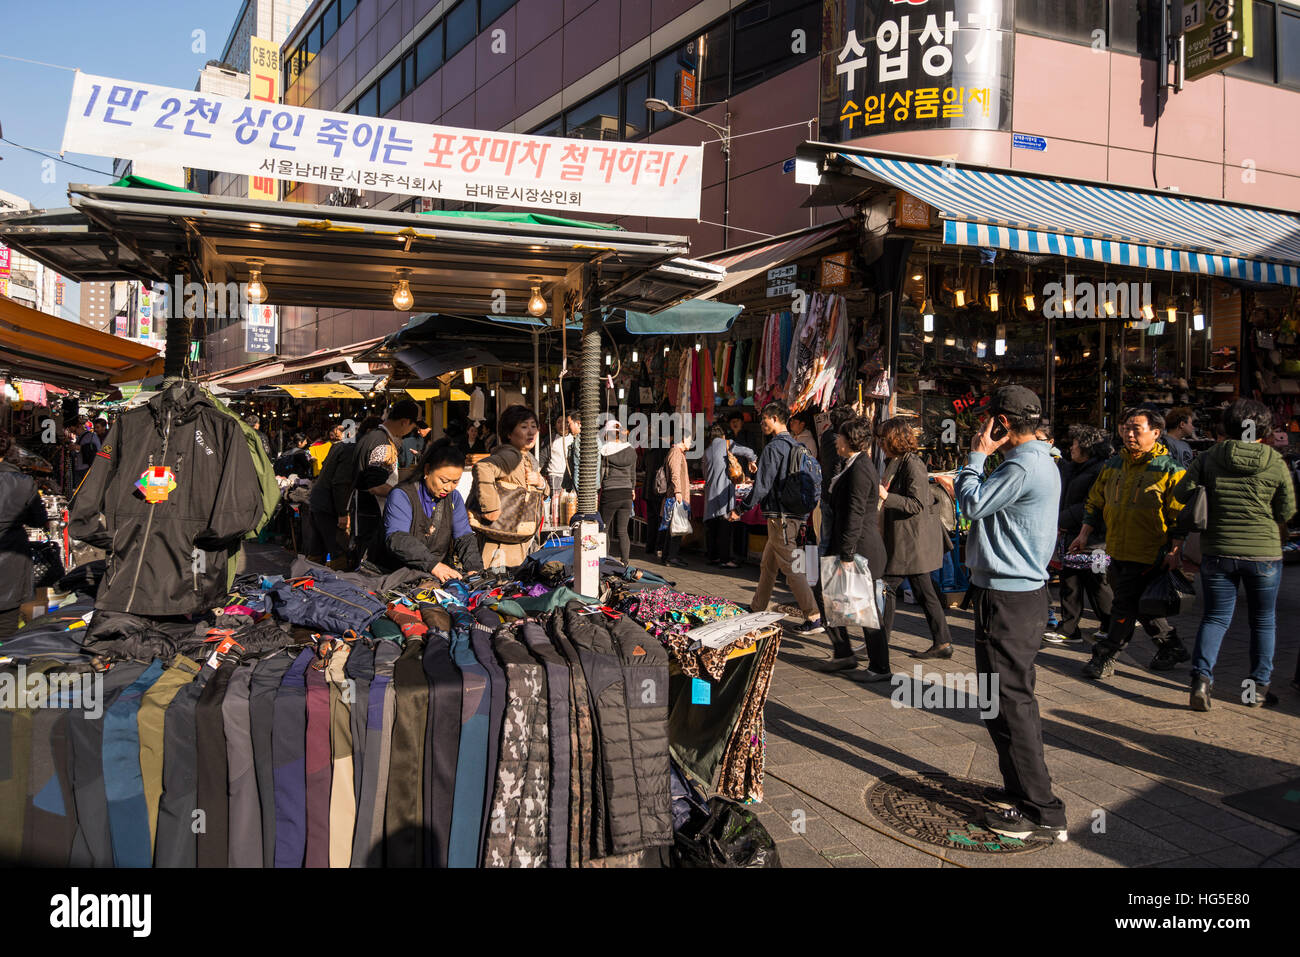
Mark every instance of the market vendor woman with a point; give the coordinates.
(426, 525)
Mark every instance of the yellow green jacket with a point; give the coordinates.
(1133, 499)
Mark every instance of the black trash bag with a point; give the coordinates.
(1173, 593)
(730, 835)
(47, 564)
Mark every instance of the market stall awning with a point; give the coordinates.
(343, 257)
(744, 262)
(1052, 216)
(321, 390)
(454, 395)
(274, 371)
(39, 346)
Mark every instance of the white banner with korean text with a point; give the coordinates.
(109, 117)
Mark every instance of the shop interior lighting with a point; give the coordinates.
(536, 304)
(469, 376)
(1171, 310)
(544, 388)
(917, 278)
(620, 393)
(523, 390)
(993, 296)
(949, 341)
(256, 288)
(1148, 311)
(608, 361)
(635, 358)
(927, 311)
(402, 298)
(1000, 344)
(1029, 291)
(749, 384)
(1198, 317)
(665, 350)
(960, 296)
(697, 347)
(1087, 353)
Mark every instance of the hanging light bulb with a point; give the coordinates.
(749, 384)
(927, 317)
(620, 393)
(523, 390)
(949, 341)
(256, 289)
(1171, 310)
(1148, 311)
(665, 350)
(402, 298)
(607, 359)
(1000, 344)
(492, 393)
(928, 338)
(697, 347)
(1198, 317)
(993, 296)
(960, 296)
(544, 388)
(469, 376)
(635, 358)
(1029, 291)
(536, 304)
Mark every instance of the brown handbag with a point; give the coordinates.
(519, 519)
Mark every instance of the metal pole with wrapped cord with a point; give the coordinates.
(588, 538)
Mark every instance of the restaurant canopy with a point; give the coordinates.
(344, 257)
(39, 346)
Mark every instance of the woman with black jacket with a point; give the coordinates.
(618, 470)
(913, 533)
(1089, 450)
(426, 524)
(855, 531)
(20, 508)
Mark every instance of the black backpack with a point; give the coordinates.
(801, 485)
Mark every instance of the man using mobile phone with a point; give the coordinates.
(1013, 530)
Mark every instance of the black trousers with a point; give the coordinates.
(718, 539)
(616, 512)
(1128, 580)
(322, 535)
(653, 537)
(1008, 632)
(1075, 584)
(927, 594)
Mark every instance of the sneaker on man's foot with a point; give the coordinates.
(1098, 636)
(1099, 666)
(999, 797)
(1169, 655)
(1009, 822)
(1056, 638)
(813, 626)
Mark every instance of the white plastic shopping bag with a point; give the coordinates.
(849, 593)
(681, 524)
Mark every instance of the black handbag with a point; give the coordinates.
(1173, 593)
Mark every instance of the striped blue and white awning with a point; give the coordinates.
(1125, 227)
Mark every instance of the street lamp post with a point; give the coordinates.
(656, 105)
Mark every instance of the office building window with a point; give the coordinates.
(428, 54)
(596, 118)
(368, 102)
(390, 88)
(408, 73)
(696, 72)
(553, 128)
(329, 23)
(1061, 19)
(312, 41)
(489, 10)
(1288, 44)
(345, 9)
(764, 33)
(1263, 61)
(636, 119)
(461, 25)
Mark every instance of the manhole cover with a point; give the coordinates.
(942, 810)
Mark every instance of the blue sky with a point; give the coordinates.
(148, 40)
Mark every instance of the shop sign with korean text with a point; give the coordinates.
(1218, 33)
(263, 86)
(891, 66)
(109, 117)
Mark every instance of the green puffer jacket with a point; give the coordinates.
(1250, 491)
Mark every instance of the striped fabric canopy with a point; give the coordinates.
(1125, 227)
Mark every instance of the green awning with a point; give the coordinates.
(700, 317)
(131, 181)
(535, 219)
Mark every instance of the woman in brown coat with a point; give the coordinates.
(913, 533)
(510, 465)
(679, 490)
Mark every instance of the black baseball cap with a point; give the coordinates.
(1016, 400)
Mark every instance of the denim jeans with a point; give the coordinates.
(1219, 580)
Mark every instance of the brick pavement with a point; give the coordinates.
(1142, 776)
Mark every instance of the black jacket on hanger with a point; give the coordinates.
(169, 557)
